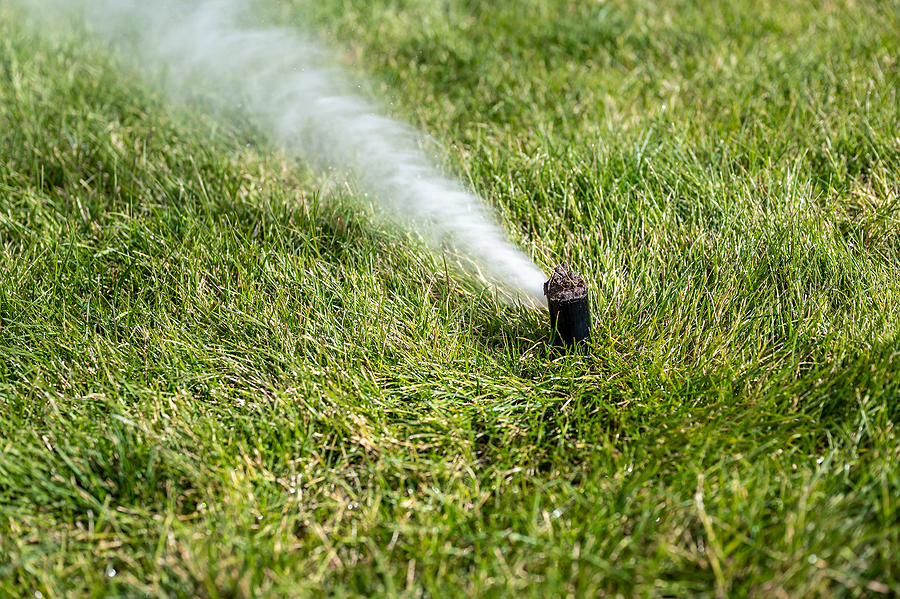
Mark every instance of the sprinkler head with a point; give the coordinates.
(570, 309)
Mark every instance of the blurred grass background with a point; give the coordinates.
(222, 376)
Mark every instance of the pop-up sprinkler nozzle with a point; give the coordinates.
(570, 309)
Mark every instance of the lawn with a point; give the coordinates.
(223, 373)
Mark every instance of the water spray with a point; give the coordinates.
(288, 87)
(293, 92)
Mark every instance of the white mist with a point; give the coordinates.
(284, 84)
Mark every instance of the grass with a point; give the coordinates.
(221, 376)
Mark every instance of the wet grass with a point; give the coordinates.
(221, 376)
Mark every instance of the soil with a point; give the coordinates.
(564, 285)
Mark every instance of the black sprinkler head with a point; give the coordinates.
(570, 308)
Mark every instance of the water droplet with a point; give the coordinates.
(293, 491)
(754, 529)
(409, 491)
(259, 517)
(202, 506)
(820, 460)
(350, 506)
(629, 469)
(111, 572)
(39, 595)
(657, 519)
(813, 559)
(557, 513)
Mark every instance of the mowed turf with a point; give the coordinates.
(223, 375)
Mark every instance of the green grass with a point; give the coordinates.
(222, 376)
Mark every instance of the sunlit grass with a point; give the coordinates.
(222, 376)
